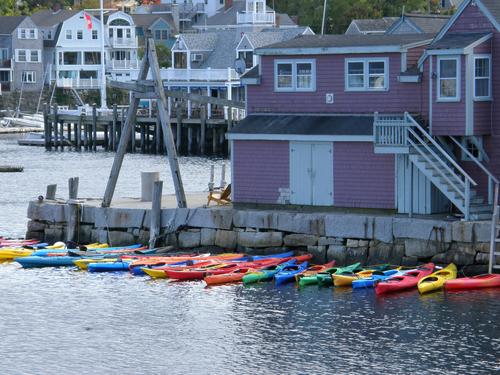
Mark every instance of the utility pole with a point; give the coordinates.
(324, 19)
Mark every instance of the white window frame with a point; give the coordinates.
(95, 35)
(38, 53)
(69, 33)
(481, 57)
(458, 75)
(79, 33)
(26, 55)
(294, 63)
(366, 74)
(466, 143)
(26, 74)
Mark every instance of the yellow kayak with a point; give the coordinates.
(436, 280)
(83, 264)
(154, 273)
(9, 253)
(346, 280)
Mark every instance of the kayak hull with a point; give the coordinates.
(408, 280)
(476, 282)
(437, 280)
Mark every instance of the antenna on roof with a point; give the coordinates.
(323, 20)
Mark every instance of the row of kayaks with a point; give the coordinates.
(234, 267)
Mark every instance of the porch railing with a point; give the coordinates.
(256, 17)
(79, 83)
(200, 75)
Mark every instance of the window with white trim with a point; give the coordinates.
(482, 77)
(21, 55)
(79, 34)
(366, 74)
(448, 79)
(29, 77)
(474, 145)
(94, 34)
(27, 33)
(69, 34)
(295, 75)
(34, 55)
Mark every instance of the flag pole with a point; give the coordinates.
(103, 63)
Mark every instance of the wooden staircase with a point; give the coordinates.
(402, 134)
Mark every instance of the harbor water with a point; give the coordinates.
(62, 321)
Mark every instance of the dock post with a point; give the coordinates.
(68, 130)
(94, 127)
(203, 128)
(229, 127)
(223, 176)
(155, 225)
(72, 232)
(85, 135)
(178, 139)
(61, 135)
(73, 187)
(214, 140)
(51, 192)
(211, 183)
(112, 134)
(158, 135)
(56, 129)
(46, 126)
(190, 140)
(106, 136)
(143, 138)
(78, 133)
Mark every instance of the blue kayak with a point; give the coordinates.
(108, 267)
(288, 273)
(137, 270)
(44, 252)
(369, 282)
(288, 254)
(38, 261)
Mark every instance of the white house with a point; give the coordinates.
(77, 50)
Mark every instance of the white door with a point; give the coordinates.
(311, 173)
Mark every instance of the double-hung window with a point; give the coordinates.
(482, 77)
(295, 75)
(34, 55)
(69, 34)
(21, 55)
(79, 34)
(366, 74)
(94, 34)
(29, 77)
(448, 79)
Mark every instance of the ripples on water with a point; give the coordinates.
(59, 321)
(70, 322)
(42, 168)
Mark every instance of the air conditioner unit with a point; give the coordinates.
(196, 57)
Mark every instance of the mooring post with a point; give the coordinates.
(94, 127)
(223, 176)
(56, 129)
(73, 187)
(46, 126)
(155, 225)
(85, 135)
(190, 139)
(61, 135)
(211, 183)
(78, 135)
(51, 192)
(158, 135)
(73, 218)
(178, 139)
(214, 140)
(68, 131)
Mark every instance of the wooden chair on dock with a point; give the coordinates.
(220, 196)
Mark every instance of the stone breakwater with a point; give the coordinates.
(346, 238)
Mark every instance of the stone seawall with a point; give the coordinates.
(346, 238)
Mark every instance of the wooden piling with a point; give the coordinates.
(143, 138)
(51, 192)
(178, 139)
(85, 135)
(73, 187)
(190, 139)
(203, 126)
(94, 127)
(47, 127)
(157, 135)
(214, 140)
(112, 134)
(56, 129)
(155, 225)
(106, 136)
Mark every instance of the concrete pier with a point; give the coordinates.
(341, 236)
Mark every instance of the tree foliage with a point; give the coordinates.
(341, 12)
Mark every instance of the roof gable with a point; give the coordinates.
(9, 23)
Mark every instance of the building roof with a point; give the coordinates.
(425, 23)
(377, 25)
(147, 20)
(9, 23)
(47, 17)
(305, 42)
(252, 73)
(228, 16)
(493, 7)
(340, 125)
(455, 41)
(202, 41)
(272, 36)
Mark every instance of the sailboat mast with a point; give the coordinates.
(103, 63)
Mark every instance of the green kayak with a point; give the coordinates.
(325, 278)
(266, 274)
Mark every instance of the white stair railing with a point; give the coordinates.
(495, 226)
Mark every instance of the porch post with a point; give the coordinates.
(467, 200)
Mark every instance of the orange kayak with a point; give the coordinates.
(160, 261)
(233, 277)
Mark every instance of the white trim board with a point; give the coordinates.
(299, 137)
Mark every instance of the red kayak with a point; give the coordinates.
(200, 273)
(407, 281)
(475, 282)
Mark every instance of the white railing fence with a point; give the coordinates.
(202, 75)
(256, 17)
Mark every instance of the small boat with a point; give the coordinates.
(108, 267)
(406, 281)
(232, 277)
(266, 273)
(475, 282)
(308, 277)
(38, 261)
(9, 253)
(287, 274)
(84, 263)
(436, 280)
(325, 278)
(345, 278)
(288, 254)
(369, 282)
(200, 273)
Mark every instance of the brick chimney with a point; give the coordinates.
(228, 4)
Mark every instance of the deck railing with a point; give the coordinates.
(256, 17)
(79, 83)
(199, 75)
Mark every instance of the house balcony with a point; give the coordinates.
(6, 64)
(123, 42)
(199, 75)
(79, 83)
(122, 64)
(256, 18)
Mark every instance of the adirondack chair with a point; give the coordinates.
(220, 197)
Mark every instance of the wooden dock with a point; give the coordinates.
(197, 135)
